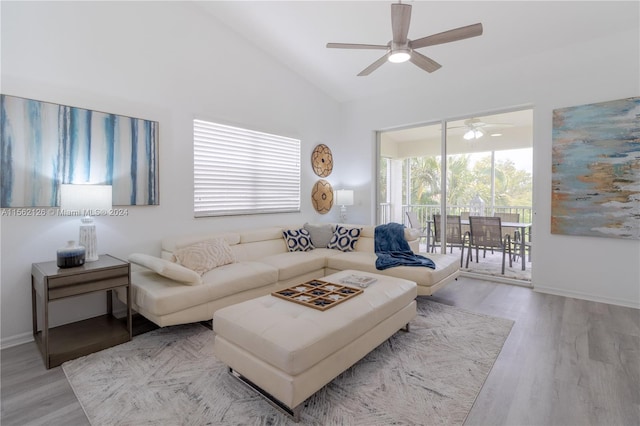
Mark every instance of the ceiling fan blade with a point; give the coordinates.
(427, 64)
(374, 66)
(400, 19)
(497, 125)
(482, 125)
(448, 36)
(356, 46)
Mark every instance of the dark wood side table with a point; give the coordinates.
(50, 283)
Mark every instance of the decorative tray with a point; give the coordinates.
(318, 294)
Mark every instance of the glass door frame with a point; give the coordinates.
(443, 207)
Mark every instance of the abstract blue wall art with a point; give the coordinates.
(43, 145)
(596, 170)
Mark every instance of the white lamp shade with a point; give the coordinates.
(344, 197)
(85, 197)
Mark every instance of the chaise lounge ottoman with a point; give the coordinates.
(288, 351)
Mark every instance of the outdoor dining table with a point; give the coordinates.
(518, 225)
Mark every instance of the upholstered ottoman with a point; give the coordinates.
(288, 351)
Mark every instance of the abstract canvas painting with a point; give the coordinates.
(43, 145)
(596, 170)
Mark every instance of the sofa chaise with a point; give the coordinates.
(257, 262)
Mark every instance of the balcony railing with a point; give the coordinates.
(425, 212)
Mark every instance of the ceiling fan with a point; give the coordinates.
(475, 128)
(401, 49)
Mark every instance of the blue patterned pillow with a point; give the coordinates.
(344, 239)
(297, 239)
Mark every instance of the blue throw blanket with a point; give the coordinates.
(393, 250)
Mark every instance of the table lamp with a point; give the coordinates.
(344, 197)
(88, 201)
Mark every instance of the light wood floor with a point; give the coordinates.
(566, 362)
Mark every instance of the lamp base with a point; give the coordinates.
(343, 214)
(89, 240)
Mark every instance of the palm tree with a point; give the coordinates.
(512, 186)
(458, 178)
(425, 180)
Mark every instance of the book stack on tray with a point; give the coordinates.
(361, 281)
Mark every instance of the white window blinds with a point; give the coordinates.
(239, 171)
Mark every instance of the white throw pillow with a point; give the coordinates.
(205, 255)
(166, 268)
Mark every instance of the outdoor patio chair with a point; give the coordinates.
(519, 239)
(508, 217)
(454, 236)
(414, 223)
(486, 233)
(465, 228)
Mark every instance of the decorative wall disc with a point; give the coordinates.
(322, 160)
(322, 196)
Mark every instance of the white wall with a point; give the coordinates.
(159, 61)
(600, 269)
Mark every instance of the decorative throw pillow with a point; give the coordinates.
(344, 239)
(297, 239)
(205, 255)
(320, 234)
(166, 268)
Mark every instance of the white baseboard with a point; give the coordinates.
(16, 340)
(495, 279)
(587, 296)
(27, 337)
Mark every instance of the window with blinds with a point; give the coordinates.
(239, 171)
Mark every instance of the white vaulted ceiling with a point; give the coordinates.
(296, 32)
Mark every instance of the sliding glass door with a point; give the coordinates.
(488, 172)
(409, 182)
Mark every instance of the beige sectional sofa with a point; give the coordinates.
(262, 264)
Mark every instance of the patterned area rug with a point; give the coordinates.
(491, 265)
(431, 375)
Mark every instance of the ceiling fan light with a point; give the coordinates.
(399, 56)
(473, 134)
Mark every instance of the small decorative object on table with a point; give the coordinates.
(359, 280)
(318, 294)
(71, 255)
